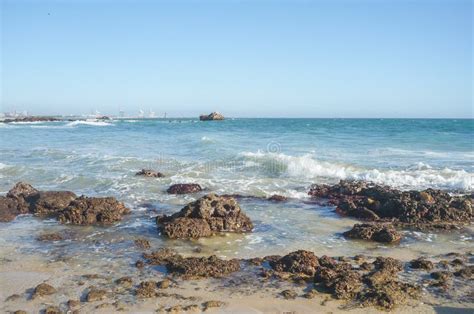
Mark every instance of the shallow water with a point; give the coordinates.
(247, 156)
(255, 157)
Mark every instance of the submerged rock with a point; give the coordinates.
(277, 198)
(204, 217)
(384, 233)
(184, 188)
(93, 210)
(149, 173)
(421, 263)
(212, 116)
(43, 289)
(50, 237)
(202, 267)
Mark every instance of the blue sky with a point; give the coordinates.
(243, 58)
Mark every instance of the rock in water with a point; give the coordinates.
(9, 209)
(21, 190)
(49, 203)
(149, 173)
(184, 188)
(201, 267)
(384, 233)
(212, 116)
(93, 210)
(207, 215)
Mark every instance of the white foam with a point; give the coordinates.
(89, 122)
(419, 177)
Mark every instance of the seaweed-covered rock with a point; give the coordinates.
(50, 203)
(9, 209)
(93, 210)
(149, 173)
(202, 218)
(421, 263)
(200, 267)
(338, 279)
(415, 208)
(388, 295)
(298, 262)
(384, 233)
(184, 188)
(21, 190)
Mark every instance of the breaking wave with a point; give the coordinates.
(92, 123)
(420, 176)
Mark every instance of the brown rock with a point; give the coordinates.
(52, 310)
(72, 304)
(184, 188)
(200, 267)
(96, 295)
(211, 213)
(146, 289)
(289, 294)
(143, 243)
(50, 237)
(212, 304)
(164, 284)
(21, 190)
(149, 173)
(298, 262)
(277, 198)
(125, 282)
(49, 203)
(9, 209)
(211, 117)
(93, 210)
(43, 289)
(421, 263)
(384, 233)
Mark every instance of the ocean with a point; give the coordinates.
(250, 157)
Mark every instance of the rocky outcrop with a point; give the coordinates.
(204, 217)
(299, 262)
(63, 205)
(149, 173)
(31, 119)
(184, 188)
(428, 208)
(93, 210)
(212, 116)
(377, 232)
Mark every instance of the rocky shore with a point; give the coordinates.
(161, 275)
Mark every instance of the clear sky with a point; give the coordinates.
(242, 58)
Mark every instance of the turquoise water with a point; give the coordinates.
(246, 156)
(249, 156)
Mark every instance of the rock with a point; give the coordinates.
(384, 233)
(184, 188)
(212, 116)
(21, 190)
(149, 173)
(72, 304)
(419, 209)
(43, 289)
(183, 227)
(96, 295)
(139, 264)
(212, 304)
(201, 267)
(9, 209)
(31, 119)
(93, 210)
(161, 256)
(125, 282)
(52, 310)
(298, 262)
(289, 294)
(311, 294)
(387, 296)
(20, 312)
(441, 275)
(421, 263)
(177, 309)
(13, 297)
(49, 203)
(465, 272)
(50, 237)
(192, 308)
(146, 289)
(142, 243)
(202, 218)
(277, 198)
(164, 284)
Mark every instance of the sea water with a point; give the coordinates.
(253, 157)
